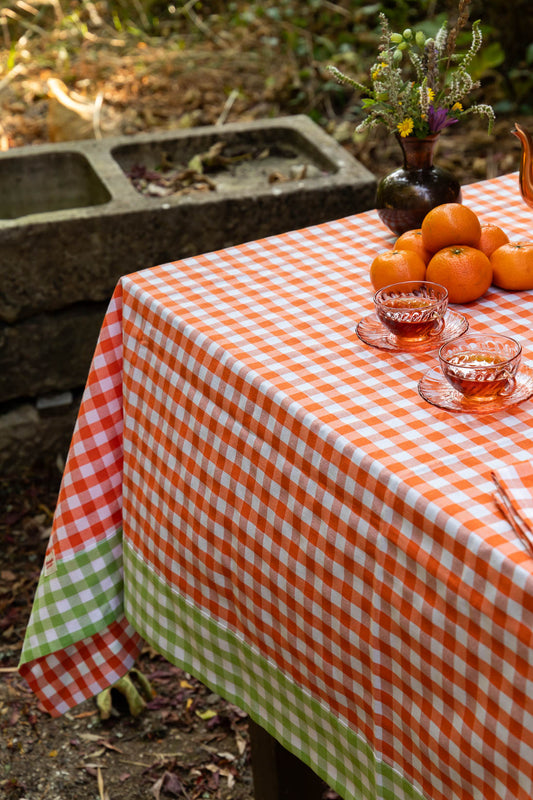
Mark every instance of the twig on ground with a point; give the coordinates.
(101, 789)
(227, 107)
(188, 10)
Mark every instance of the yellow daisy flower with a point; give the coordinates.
(405, 127)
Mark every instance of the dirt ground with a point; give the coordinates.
(188, 743)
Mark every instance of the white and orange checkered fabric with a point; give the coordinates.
(271, 504)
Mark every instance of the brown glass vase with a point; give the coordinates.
(405, 196)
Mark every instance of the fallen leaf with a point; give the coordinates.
(227, 756)
(109, 746)
(277, 177)
(169, 783)
(206, 714)
(226, 773)
(172, 784)
(14, 718)
(101, 789)
(91, 770)
(156, 788)
(96, 753)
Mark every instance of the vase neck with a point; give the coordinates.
(417, 153)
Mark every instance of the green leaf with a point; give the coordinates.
(209, 714)
(488, 59)
(12, 57)
(196, 164)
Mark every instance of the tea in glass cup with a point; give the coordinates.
(412, 310)
(481, 366)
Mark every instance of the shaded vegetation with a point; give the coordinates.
(159, 65)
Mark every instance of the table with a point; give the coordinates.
(269, 503)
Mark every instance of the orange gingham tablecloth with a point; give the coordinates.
(271, 505)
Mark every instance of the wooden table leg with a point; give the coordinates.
(278, 774)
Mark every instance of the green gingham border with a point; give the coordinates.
(83, 596)
(221, 660)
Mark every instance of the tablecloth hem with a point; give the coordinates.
(222, 660)
(65, 678)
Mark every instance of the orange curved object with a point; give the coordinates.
(525, 179)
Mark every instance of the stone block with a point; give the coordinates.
(29, 438)
(74, 222)
(48, 352)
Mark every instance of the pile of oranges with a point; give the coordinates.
(453, 248)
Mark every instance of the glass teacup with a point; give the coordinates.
(481, 366)
(412, 310)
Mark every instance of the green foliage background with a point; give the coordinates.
(346, 32)
(297, 39)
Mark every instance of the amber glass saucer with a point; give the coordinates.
(372, 332)
(435, 389)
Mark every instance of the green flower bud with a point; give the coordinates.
(403, 46)
(397, 56)
(420, 39)
(396, 37)
(408, 34)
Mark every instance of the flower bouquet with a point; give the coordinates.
(418, 85)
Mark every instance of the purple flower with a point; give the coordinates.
(438, 119)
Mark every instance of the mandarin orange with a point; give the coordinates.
(465, 271)
(394, 266)
(492, 237)
(412, 240)
(512, 266)
(450, 224)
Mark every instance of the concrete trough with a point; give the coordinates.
(73, 220)
(41, 183)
